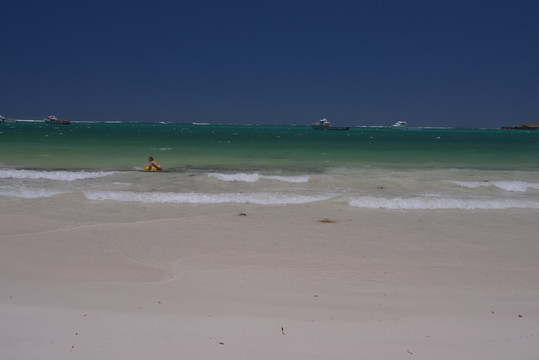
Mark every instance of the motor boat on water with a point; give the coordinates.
(5, 119)
(324, 124)
(400, 125)
(321, 124)
(51, 119)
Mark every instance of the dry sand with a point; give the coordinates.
(271, 283)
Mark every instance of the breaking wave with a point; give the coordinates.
(432, 203)
(202, 198)
(52, 175)
(244, 177)
(516, 186)
(27, 193)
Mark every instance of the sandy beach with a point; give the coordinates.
(268, 282)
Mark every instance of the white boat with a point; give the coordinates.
(400, 125)
(51, 119)
(2, 119)
(324, 124)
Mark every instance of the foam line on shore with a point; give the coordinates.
(205, 198)
(60, 175)
(433, 203)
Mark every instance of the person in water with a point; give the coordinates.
(154, 165)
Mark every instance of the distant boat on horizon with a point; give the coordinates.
(400, 125)
(4, 119)
(522, 127)
(324, 124)
(51, 119)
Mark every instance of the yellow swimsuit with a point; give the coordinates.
(151, 168)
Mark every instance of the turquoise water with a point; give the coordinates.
(180, 146)
(363, 167)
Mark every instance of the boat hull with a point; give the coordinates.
(337, 128)
(62, 122)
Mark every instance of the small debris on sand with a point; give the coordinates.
(242, 214)
(327, 221)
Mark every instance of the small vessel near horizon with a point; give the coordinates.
(324, 124)
(51, 119)
(529, 126)
(400, 125)
(5, 119)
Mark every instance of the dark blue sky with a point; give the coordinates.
(431, 63)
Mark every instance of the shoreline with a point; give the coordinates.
(277, 282)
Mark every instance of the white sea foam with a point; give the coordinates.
(203, 198)
(29, 193)
(253, 177)
(288, 179)
(516, 186)
(241, 177)
(52, 175)
(428, 203)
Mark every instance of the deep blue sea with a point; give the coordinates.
(364, 167)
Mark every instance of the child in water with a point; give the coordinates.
(153, 165)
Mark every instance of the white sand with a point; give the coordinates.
(274, 284)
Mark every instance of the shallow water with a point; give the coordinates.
(271, 165)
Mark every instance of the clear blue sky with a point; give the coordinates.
(431, 63)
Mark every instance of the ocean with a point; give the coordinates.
(87, 164)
